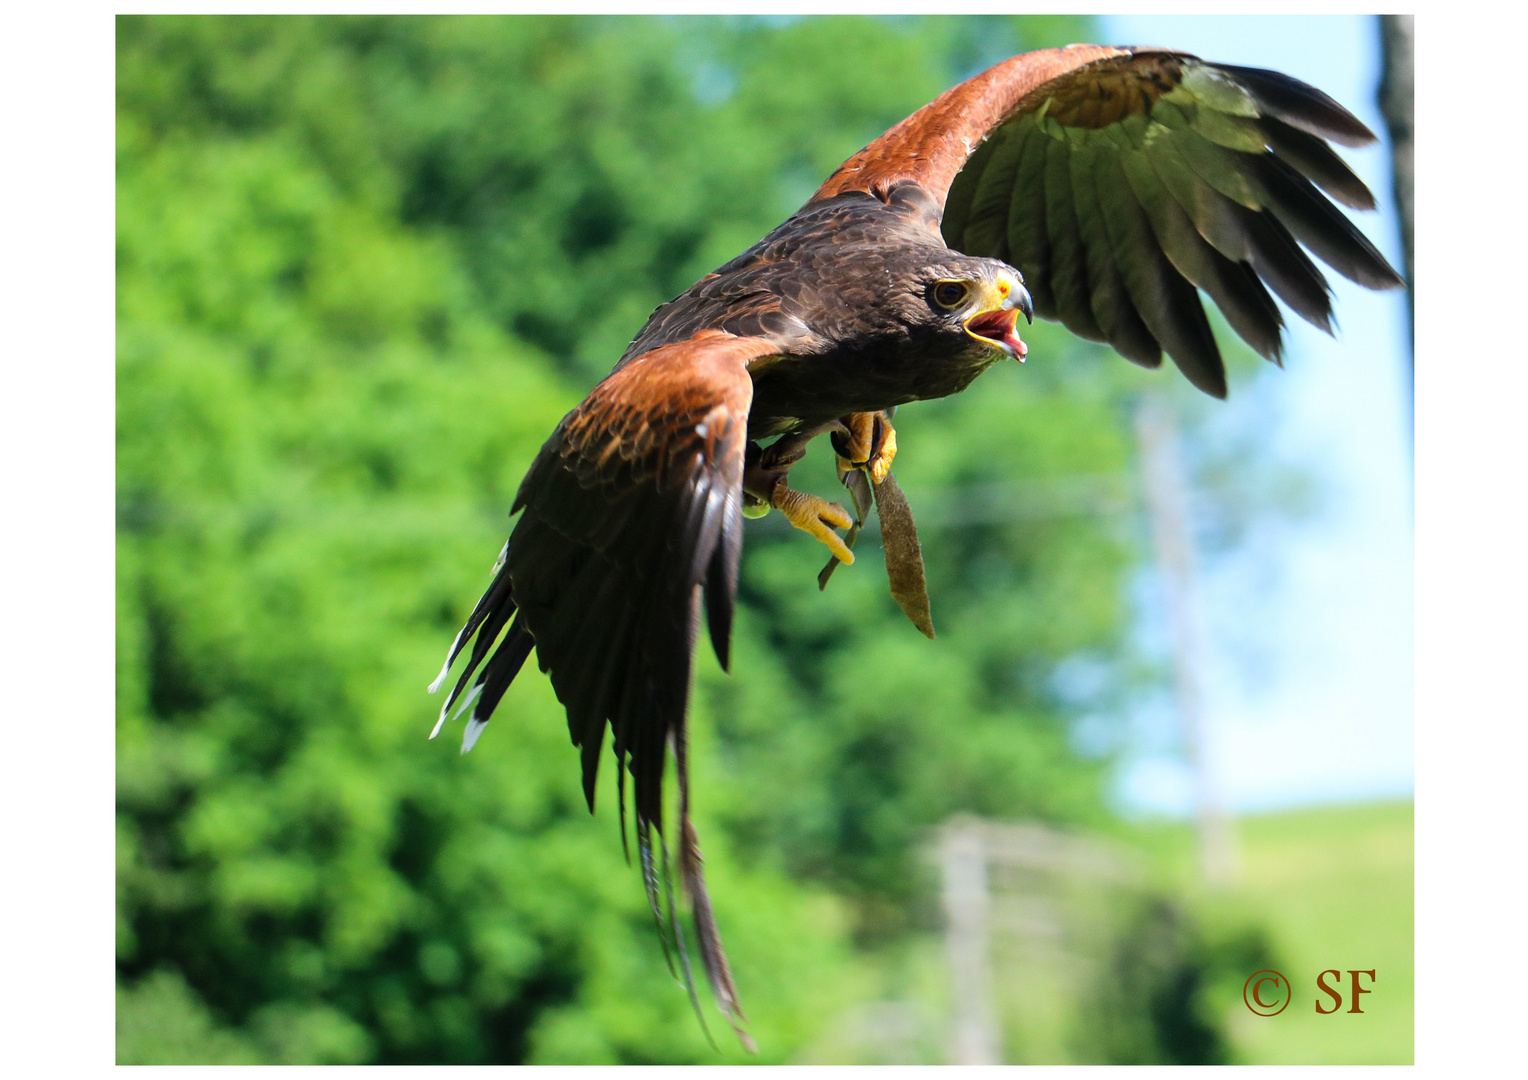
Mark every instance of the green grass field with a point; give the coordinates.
(1333, 888)
(1328, 888)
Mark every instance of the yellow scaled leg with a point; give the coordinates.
(871, 443)
(815, 516)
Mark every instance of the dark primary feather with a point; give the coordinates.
(1300, 105)
(1312, 157)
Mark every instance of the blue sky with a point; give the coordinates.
(1307, 670)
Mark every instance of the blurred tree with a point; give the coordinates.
(364, 264)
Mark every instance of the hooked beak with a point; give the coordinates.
(998, 325)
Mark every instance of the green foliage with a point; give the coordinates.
(364, 265)
(1155, 1003)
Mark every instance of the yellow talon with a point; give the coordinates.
(858, 448)
(861, 435)
(817, 517)
(881, 465)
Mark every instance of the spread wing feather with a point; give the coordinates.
(1166, 302)
(1314, 158)
(1113, 308)
(1121, 181)
(1026, 230)
(630, 523)
(1069, 282)
(1234, 287)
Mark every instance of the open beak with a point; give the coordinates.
(999, 325)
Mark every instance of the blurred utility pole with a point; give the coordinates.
(1167, 505)
(963, 866)
(1397, 100)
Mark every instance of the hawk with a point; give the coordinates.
(1101, 187)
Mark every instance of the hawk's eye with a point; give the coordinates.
(950, 294)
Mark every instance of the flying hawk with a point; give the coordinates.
(1100, 187)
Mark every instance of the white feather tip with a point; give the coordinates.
(450, 655)
(470, 736)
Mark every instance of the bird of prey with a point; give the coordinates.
(1101, 187)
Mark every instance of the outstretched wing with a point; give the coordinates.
(1119, 181)
(631, 518)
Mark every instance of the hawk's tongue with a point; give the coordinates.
(1000, 326)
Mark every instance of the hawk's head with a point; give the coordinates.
(976, 301)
